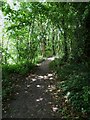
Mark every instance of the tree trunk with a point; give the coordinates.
(65, 40)
(53, 42)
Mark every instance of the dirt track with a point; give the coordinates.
(34, 98)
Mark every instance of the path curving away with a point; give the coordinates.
(35, 96)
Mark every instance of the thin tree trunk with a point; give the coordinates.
(18, 55)
(6, 51)
(53, 42)
(65, 40)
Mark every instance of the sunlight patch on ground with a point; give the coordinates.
(54, 108)
(52, 58)
(45, 77)
(39, 99)
(38, 86)
(26, 91)
(33, 79)
(41, 77)
(51, 78)
(18, 86)
(50, 102)
(46, 91)
(28, 86)
(17, 93)
(50, 75)
(51, 88)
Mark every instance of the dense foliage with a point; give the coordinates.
(35, 30)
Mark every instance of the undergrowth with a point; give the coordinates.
(74, 81)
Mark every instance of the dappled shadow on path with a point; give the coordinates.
(35, 97)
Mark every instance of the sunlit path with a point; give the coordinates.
(35, 97)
